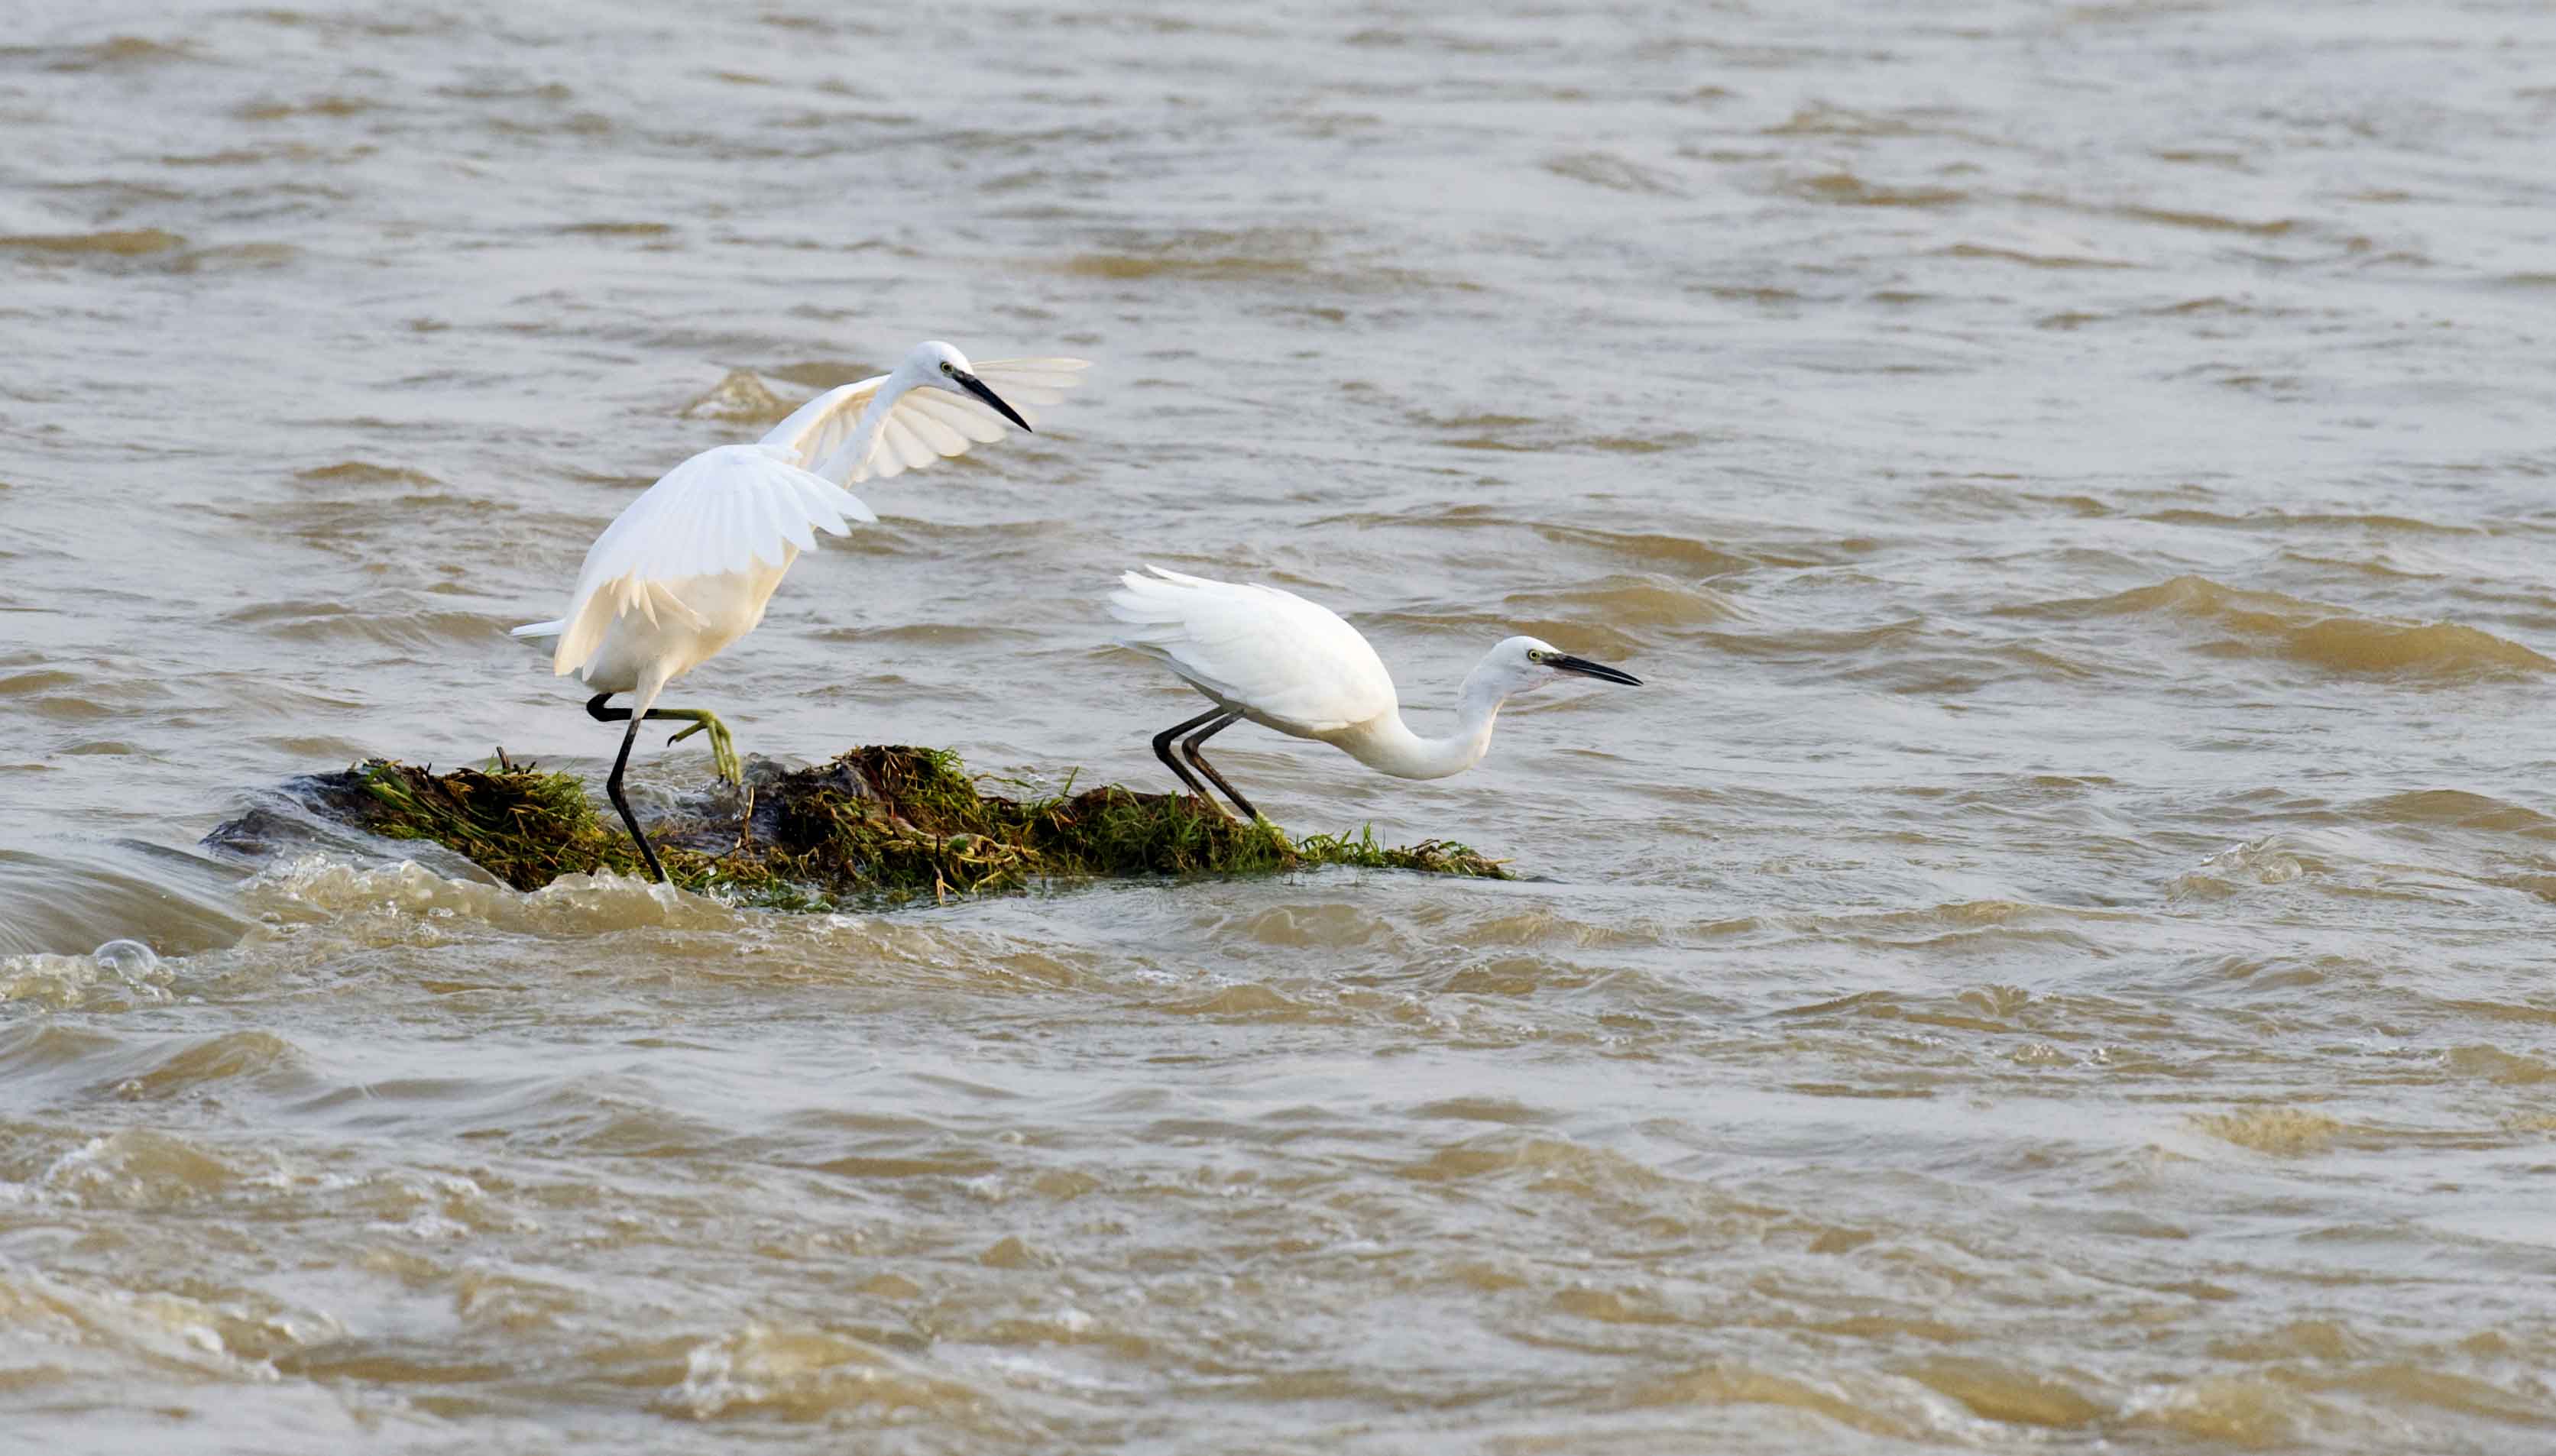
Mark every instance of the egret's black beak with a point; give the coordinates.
(1587, 668)
(974, 386)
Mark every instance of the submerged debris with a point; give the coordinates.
(876, 823)
(741, 399)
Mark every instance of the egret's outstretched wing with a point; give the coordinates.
(722, 511)
(923, 424)
(1255, 647)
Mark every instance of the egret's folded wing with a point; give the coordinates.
(722, 511)
(1256, 647)
(923, 424)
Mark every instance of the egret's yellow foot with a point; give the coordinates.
(722, 748)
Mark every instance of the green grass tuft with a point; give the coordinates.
(527, 828)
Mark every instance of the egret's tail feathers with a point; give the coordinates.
(1165, 598)
(539, 629)
(1149, 601)
(1256, 647)
(1158, 611)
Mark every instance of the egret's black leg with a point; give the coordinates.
(1189, 751)
(612, 789)
(1163, 750)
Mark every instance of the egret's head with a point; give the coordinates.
(936, 365)
(1522, 662)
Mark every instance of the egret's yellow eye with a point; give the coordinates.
(1534, 654)
(949, 368)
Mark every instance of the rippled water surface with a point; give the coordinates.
(2057, 957)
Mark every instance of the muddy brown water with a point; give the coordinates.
(2056, 958)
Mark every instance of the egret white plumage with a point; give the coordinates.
(1271, 657)
(688, 567)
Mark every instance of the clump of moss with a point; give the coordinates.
(875, 824)
(523, 826)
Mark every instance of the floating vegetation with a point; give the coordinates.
(877, 824)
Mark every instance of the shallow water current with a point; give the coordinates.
(2060, 956)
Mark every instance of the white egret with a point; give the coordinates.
(1284, 663)
(688, 567)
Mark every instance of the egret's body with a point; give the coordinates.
(1270, 656)
(717, 609)
(689, 566)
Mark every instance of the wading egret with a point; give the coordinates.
(1284, 663)
(687, 567)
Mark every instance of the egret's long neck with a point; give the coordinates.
(1392, 747)
(855, 453)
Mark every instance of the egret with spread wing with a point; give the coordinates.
(688, 567)
(1284, 662)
